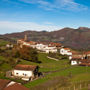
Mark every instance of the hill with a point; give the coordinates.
(74, 38)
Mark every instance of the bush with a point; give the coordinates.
(26, 53)
(57, 56)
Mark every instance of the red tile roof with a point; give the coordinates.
(77, 57)
(25, 67)
(32, 42)
(85, 62)
(3, 83)
(56, 44)
(67, 48)
(16, 86)
(88, 52)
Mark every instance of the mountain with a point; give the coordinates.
(74, 38)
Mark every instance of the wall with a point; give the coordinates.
(22, 73)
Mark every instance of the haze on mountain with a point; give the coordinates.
(74, 38)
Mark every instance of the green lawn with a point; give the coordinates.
(77, 72)
(4, 66)
(3, 43)
(48, 64)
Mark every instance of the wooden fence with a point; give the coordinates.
(81, 85)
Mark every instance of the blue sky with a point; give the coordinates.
(21, 15)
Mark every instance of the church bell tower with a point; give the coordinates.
(25, 37)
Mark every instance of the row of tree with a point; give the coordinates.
(26, 53)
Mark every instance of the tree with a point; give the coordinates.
(29, 53)
(26, 53)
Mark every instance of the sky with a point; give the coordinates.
(39, 15)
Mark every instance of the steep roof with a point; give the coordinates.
(85, 62)
(56, 44)
(67, 48)
(16, 86)
(88, 52)
(25, 67)
(3, 83)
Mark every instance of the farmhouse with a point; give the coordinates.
(76, 60)
(87, 53)
(65, 51)
(85, 62)
(80, 60)
(76, 57)
(25, 72)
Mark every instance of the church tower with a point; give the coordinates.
(25, 37)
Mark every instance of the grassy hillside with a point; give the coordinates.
(54, 72)
(57, 69)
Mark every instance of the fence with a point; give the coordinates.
(85, 85)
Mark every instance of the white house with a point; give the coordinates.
(9, 45)
(40, 46)
(50, 49)
(25, 72)
(75, 59)
(46, 48)
(65, 51)
(74, 62)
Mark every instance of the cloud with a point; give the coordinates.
(70, 5)
(8, 27)
(57, 4)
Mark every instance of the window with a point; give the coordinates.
(25, 74)
(17, 73)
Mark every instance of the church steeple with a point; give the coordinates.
(25, 37)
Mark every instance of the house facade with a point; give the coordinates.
(74, 62)
(25, 72)
(65, 51)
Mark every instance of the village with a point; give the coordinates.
(75, 57)
(29, 72)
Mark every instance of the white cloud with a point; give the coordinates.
(71, 5)
(8, 27)
(57, 4)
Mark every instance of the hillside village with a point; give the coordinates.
(76, 58)
(31, 72)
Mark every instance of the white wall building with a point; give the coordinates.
(25, 72)
(50, 49)
(39, 46)
(74, 62)
(65, 51)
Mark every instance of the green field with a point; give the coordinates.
(78, 73)
(48, 64)
(3, 43)
(56, 69)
